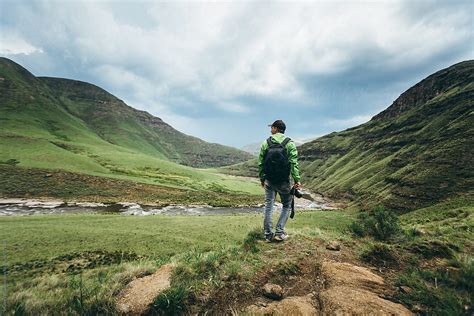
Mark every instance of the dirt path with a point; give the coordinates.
(139, 294)
(347, 289)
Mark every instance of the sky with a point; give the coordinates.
(222, 71)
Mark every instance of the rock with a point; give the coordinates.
(333, 245)
(273, 291)
(296, 306)
(354, 290)
(139, 294)
(406, 289)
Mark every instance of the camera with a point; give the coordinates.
(296, 192)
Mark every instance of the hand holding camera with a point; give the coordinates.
(295, 190)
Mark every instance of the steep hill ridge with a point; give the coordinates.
(120, 124)
(415, 153)
(42, 105)
(54, 126)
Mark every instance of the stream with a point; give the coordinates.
(22, 207)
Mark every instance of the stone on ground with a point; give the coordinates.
(273, 291)
(139, 294)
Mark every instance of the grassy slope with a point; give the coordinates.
(37, 132)
(214, 257)
(120, 124)
(42, 268)
(417, 152)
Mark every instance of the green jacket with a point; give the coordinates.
(290, 151)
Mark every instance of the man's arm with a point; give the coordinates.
(261, 157)
(293, 159)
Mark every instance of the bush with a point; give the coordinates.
(380, 255)
(378, 223)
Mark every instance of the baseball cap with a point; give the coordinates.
(279, 124)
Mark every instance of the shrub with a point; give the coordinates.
(378, 223)
(380, 254)
(433, 248)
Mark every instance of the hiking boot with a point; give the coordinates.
(269, 238)
(281, 237)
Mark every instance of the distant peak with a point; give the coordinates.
(456, 75)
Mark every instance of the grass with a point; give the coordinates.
(222, 257)
(379, 223)
(430, 259)
(15, 182)
(107, 250)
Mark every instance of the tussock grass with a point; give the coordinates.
(86, 293)
(378, 223)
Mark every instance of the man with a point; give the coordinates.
(277, 160)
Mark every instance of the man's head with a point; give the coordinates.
(278, 127)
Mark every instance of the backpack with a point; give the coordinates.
(276, 164)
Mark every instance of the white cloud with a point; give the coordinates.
(162, 56)
(14, 45)
(225, 50)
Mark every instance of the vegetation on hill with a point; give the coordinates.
(221, 262)
(120, 124)
(413, 154)
(60, 124)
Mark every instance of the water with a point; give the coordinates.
(23, 207)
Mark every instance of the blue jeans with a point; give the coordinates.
(270, 195)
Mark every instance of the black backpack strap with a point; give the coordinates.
(269, 141)
(286, 141)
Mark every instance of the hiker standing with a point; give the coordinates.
(277, 160)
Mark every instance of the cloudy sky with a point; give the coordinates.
(223, 70)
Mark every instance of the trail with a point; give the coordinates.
(343, 289)
(348, 290)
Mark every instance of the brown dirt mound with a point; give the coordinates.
(348, 290)
(295, 306)
(139, 294)
(354, 290)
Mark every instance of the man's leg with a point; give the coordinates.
(269, 201)
(285, 212)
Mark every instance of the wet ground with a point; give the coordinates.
(21, 207)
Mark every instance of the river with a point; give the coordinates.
(23, 207)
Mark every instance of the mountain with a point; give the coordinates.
(418, 151)
(120, 124)
(60, 107)
(65, 129)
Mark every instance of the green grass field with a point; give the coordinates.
(43, 253)
(115, 162)
(77, 264)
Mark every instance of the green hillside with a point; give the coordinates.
(418, 151)
(120, 124)
(77, 127)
